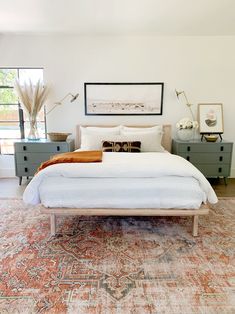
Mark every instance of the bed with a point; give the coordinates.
(123, 184)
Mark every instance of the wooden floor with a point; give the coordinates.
(223, 190)
(9, 187)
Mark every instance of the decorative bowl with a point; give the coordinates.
(211, 138)
(58, 137)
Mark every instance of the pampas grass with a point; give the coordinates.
(32, 97)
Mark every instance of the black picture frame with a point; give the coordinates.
(129, 99)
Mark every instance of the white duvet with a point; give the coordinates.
(122, 165)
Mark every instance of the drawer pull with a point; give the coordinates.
(24, 147)
(26, 169)
(188, 148)
(221, 158)
(220, 169)
(58, 148)
(25, 158)
(221, 148)
(188, 158)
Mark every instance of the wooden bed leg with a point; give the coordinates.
(195, 225)
(53, 224)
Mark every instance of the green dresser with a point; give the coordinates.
(30, 154)
(212, 159)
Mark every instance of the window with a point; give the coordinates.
(14, 123)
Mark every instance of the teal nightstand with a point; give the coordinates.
(30, 154)
(213, 159)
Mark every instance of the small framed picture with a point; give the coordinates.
(210, 118)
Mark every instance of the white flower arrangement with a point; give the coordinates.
(187, 123)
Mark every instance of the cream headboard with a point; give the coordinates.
(166, 138)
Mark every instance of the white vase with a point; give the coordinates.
(33, 129)
(185, 134)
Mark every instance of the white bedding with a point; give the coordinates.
(120, 166)
(165, 192)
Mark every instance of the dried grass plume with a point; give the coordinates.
(32, 97)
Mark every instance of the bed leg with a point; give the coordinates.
(195, 225)
(53, 224)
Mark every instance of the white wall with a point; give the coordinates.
(203, 66)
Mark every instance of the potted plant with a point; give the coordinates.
(186, 126)
(32, 98)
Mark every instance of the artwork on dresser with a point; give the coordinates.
(211, 118)
(123, 98)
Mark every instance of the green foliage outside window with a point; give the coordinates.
(7, 77)
(7, 93)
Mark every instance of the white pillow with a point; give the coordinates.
(150, 141)
(91, 135)
(143, 129)
(94, 141)
(114, 129)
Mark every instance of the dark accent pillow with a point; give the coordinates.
(124, 147)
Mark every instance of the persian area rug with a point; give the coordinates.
(116, 265)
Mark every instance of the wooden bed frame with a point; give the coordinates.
(166, 143)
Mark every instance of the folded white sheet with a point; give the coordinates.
(122, 165)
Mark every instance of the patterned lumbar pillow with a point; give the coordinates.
(125, 147)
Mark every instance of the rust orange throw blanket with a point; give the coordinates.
(83, 156)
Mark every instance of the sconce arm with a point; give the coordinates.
(56, 104)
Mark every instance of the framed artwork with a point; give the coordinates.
(211, 118)
(123, 98)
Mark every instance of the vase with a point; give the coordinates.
(33, 129)
(185, 134)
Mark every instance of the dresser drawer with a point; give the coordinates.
(30, 154)
(212, 159)
(206, 158)
(41, 147)
(205, 148)
(214, 170)
(26, 170)
(30, 158)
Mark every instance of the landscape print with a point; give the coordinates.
(123, 98)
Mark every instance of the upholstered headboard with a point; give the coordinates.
(166, 138)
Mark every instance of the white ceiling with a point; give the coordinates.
(119, 17)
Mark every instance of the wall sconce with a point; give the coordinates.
(58, 103)
(178, 93)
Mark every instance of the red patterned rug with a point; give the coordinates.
(116, 265)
